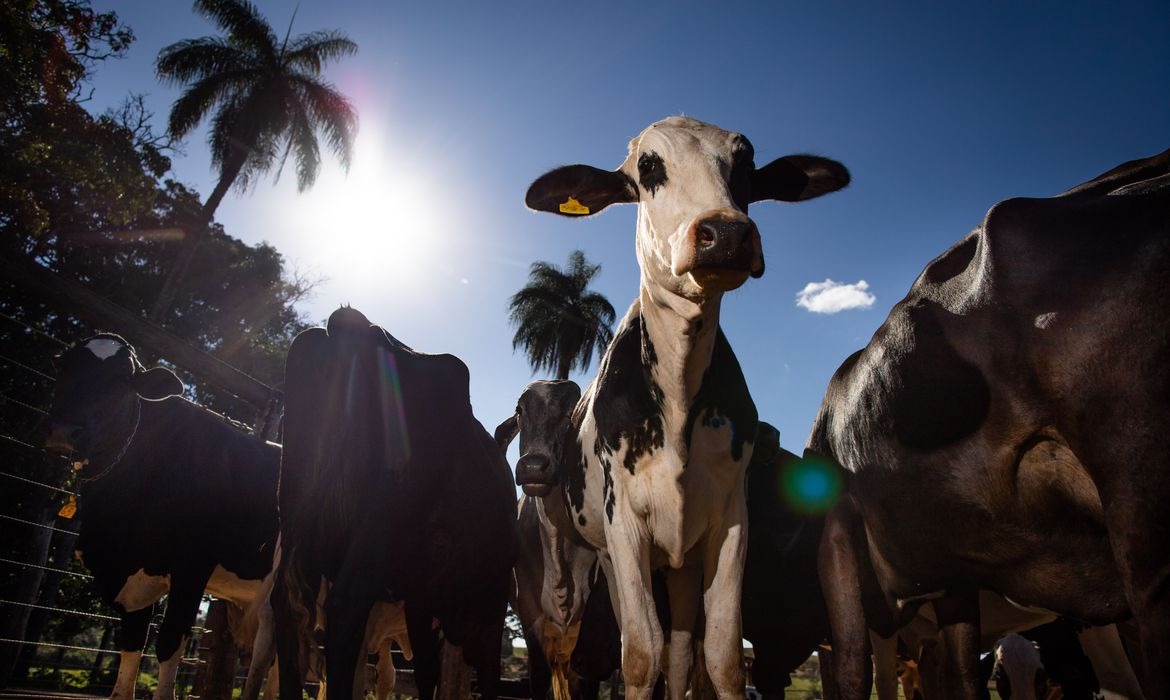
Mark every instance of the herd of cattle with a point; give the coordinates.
(998, 447)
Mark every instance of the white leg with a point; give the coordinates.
(263, 652)
(168, 669)
(127, 675)
(641, 633)
(723, 580)
(386, 675)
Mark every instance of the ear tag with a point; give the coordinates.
(572, 206)
(69, 509)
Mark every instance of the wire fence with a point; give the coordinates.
(67, 644)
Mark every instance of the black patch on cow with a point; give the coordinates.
(943, 397)
(581, 519)
(630, 400)
(953, 262)
(724, 395)
(651, 172)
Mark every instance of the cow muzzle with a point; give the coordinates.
(721, 250)
(534, 474)
(62, 439)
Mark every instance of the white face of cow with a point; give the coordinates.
(693, 183)
(693, 236)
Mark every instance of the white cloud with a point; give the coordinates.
(829, 297)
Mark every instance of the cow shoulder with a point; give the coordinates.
(631, 399)
(723, 397)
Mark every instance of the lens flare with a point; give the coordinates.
(395, 432)
(811, 487)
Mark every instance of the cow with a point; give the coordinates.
(554, 572)
(1004, 430)
(782, 607)
(662, 437)
(390, 489)
(173, 500)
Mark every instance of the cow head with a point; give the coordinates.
(99, 381)
(693, 183)
(542, 419)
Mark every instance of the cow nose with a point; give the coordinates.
(63, 438)
(720, 236)
(731, 244)
(533, 467)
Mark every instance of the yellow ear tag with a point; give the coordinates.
(69, 509)
(573, 207)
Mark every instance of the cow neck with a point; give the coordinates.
(679, 334)
(137, 421)
(558, 573)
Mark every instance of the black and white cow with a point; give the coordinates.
(554, 569)
(389, 489)
(663, 435)
(1005, 430)
(173, 500)
(783, 607)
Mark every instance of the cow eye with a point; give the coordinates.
(651, 172)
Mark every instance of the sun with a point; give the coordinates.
(379, 221)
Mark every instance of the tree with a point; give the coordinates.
(559, 321)
(268, 102)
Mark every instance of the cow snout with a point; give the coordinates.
(63, 438)
(534, 474)
(722, 250)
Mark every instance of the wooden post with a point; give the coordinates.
(217, 652)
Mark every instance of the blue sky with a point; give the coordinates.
(940, 110)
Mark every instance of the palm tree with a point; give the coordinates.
(266, 101)
(559, 322)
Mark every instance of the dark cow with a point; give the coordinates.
(1005, 430)
(662, 437)
(390, 489)
(173, 500)
(783, 607)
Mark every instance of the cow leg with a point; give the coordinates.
(387, 675)
(263, 651)
(286, 626)
(885, 665)
(539, 672)
(588, 689)
(683, 588)
(958, 638)
(425, 647)
(723, 591)
(347, 609)
(840, 572)
(131, 640)
(182, 606)
(641, 632)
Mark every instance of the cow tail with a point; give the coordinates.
(302, 605)
(560, 683)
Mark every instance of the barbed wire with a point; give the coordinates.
(21, 365)
(37, 483)
(35, 330)
(65, 611)
(30, 565)
(29, 522)
(22, 404)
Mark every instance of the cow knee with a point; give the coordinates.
(639, 665)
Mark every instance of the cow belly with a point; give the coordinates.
(226, 585)
(142, 590)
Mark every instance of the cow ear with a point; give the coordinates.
(156, 384)
(506, 432)
(580, 190)
(797, 178)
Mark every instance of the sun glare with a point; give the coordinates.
(379, 221)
